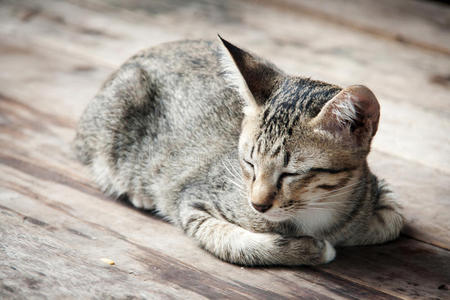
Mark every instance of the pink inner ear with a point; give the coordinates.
(367, 105)
(355, 105)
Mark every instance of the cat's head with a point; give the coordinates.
(304, 143)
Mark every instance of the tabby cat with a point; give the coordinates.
(259, 167)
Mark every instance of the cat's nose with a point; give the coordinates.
(262, 208)
(262, 194)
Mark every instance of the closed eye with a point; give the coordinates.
(283, 176)
(249, 164)
(286, 174)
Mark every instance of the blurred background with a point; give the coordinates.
(54, 56)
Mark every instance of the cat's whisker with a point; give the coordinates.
(327, 204)
(236, 184)
(340, 193)
(239, 186)
(229, 171)
(321, 198)
(237, 171)
(343, 188)
(329, 209)
(327, 200)
(338, 209)
(236, 180)
(236, 177)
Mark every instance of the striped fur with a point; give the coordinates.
(259, 167)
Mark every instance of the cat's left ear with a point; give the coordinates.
(253, 77)
(353, 113)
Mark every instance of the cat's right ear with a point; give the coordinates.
(352, 114)
(253, 77)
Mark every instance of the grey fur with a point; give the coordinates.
(168, 130)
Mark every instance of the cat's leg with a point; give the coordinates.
(238, 245)
(386, 222)
(383, 226)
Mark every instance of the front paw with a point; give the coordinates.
(306, 251)
(139, 201)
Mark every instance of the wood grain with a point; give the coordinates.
(155, 251)
(417, 23)
(410, 178)
(55, 225)
(100, 223)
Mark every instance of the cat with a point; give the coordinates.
(259, 167)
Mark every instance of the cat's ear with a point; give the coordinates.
(353, 113)
(253, 77)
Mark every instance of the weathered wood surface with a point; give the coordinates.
(417, 23)
(55, 225)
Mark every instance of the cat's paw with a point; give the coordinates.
(329, 253)
(142, 202)
(312, 251)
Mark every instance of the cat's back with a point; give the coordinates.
(164, 114)
(195, 105)
(187, 81)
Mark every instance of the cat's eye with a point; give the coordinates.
(252, 167)
(283, 176)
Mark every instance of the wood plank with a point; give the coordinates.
(259, 24)
(311, 46)
(392, 268)
(422, 24)
(423, 194)
(154, 251)
(67, 263)
(138, 271)
(406, 268)
(51, 203)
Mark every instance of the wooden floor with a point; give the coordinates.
(55, 226)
